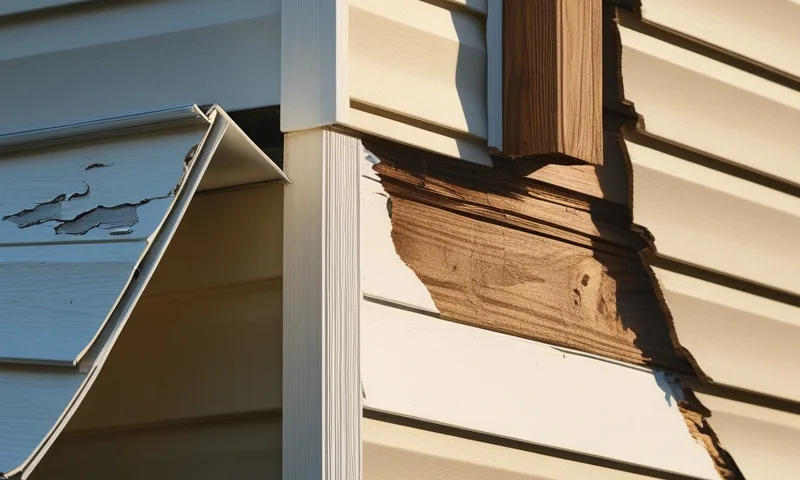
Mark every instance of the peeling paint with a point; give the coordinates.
(98, 165)
(108, 218)
(119, 219)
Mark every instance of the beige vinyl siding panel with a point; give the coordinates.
(715, 178)
(711, 107)
(398, 452)
(421, 65)
(763, 441)
(739, 339)
(713, 220)
(102, 59)
(225, 447)
(763, 31)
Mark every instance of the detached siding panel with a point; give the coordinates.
(83, 227)
(59, 280)
(109, 59)
(205, 339)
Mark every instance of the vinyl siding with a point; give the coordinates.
(715, 183)
(102, 212)
(418, 74)
(418, 365)
(111, 58)
(193, 385)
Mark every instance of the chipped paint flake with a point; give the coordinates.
(118, 219)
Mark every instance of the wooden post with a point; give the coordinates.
(552, 80)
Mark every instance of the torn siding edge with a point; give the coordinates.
(378, 245)
(694, 413)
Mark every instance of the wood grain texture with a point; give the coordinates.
(498, 253)
(552, 85)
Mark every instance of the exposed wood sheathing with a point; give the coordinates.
(523, 258)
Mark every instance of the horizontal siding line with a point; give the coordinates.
(723, 280)
(743, 396)
(415, 122)
(236, 188)
(630, 20)
(421, 311)
(386, 302)
(455, 6)
(71, 242)
(708, 161)
(520, 445)
(65, 6)
(198, 422)
(263, 284)
(34, 366)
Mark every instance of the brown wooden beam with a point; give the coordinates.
(552, 80)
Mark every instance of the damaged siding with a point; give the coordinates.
(69, 280)
(450, 247)
(715, 185)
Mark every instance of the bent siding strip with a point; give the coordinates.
(98, 314)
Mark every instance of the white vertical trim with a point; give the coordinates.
(321, 297)
(494, 78)
(314, 62)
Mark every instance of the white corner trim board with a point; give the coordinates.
(314, 63)
(321, 295)
(92, 220)
(438, 371)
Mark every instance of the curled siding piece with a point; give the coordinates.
(86, 213)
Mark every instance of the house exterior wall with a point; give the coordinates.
(715, 183)
(193, 385)
(100, 59)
